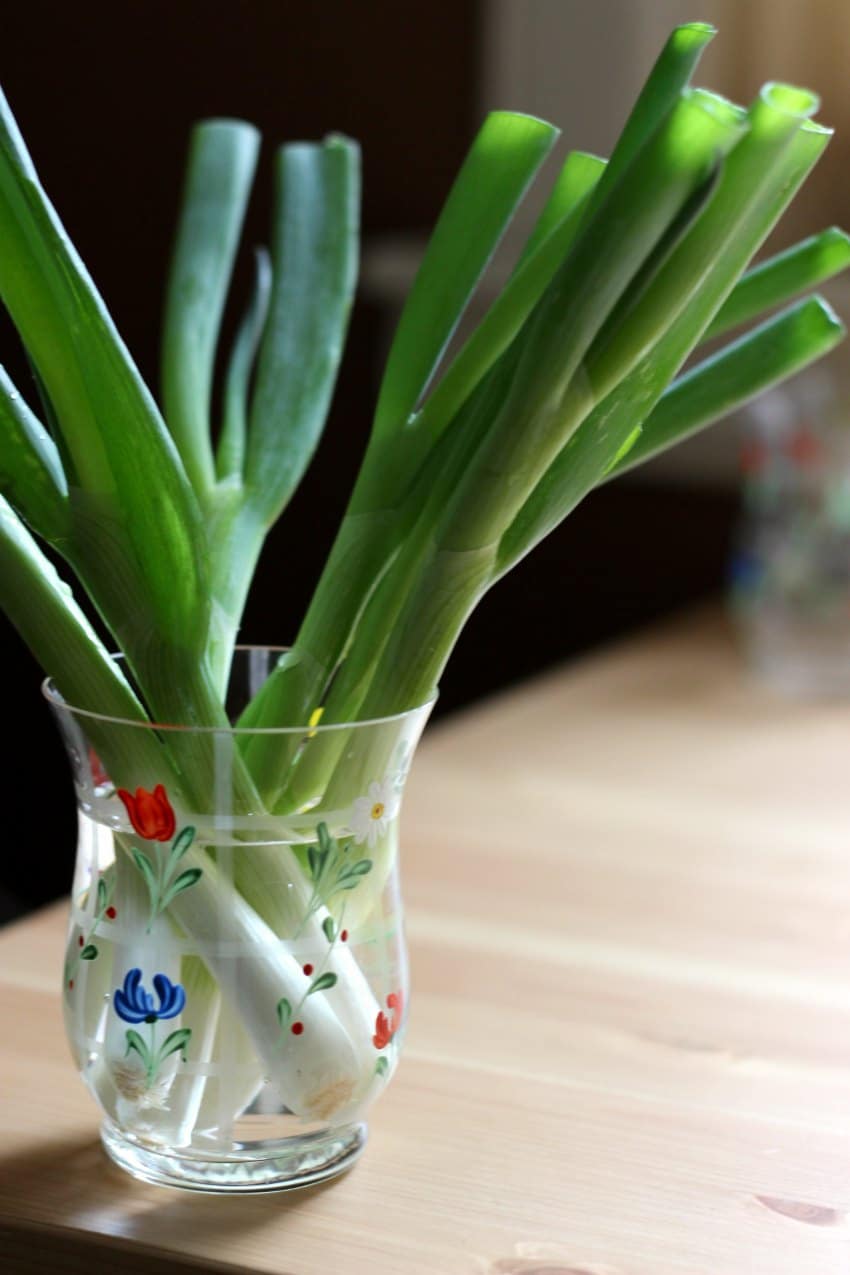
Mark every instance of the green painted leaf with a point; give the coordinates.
(329, 927)
(89, 952)
(146, 868)
(182, 842)
(187, 878)
(284, 1011)
(317, 856)
(358, 869)
(137, 1043)
(382, 1066)
(102, 894)
(322, 983)
(174, 1044)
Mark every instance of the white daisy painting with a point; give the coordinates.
(372, 814)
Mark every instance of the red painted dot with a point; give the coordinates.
(70, 982)
(80, 940)
(297, 1029)
(344, 936)
(308, 968)
(111, 913)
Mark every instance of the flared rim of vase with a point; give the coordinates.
(57, 702)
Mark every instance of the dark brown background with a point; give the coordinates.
(105, 94)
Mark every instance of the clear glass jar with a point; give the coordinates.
(235, 983)
(790, 574)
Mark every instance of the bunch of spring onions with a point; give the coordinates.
(571, 377)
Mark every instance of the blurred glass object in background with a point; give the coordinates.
(790, 572)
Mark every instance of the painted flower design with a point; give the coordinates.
(383, 1031)
(87, 950)
(135, 1005)
(371, 815)
(395, 1004)
(99, 776)
(151, 813)
(386, 1027)
(138, 1077)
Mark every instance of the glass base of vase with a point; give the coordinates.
(279, 1165)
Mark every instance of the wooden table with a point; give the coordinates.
(629, 912)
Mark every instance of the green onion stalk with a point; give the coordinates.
(573, 376)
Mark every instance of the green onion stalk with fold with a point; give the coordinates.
(158, 507)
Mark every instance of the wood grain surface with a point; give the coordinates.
(628, 891)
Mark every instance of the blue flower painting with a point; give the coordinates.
(135, 1005)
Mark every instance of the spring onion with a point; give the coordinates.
(572, 376)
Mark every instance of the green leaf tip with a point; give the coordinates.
(721, 108)
(688, 40)
(834, 320)
(728, 379)
(229, 124)
(340, 141)
(835, 243)
(693, 33)
(789, 99)
(526, 116)
(814, 126)
(777, 279)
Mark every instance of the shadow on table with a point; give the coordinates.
(71, 1189)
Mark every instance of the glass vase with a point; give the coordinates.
(235, 984)
(790, 574)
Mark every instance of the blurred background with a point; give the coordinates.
(105, 95)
